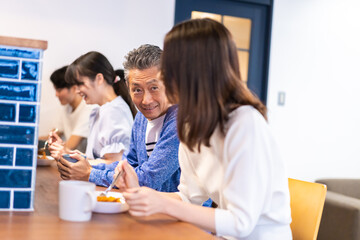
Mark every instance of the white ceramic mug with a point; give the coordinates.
(77, 199)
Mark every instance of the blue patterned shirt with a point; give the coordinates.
(161, 170)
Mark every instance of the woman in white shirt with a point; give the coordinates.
(110, 122)
(227, 152)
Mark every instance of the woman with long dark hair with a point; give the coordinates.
(227, 152)
(111, 122)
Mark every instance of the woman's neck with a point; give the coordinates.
(107, 96)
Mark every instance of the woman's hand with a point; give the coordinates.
(129, 178)
(145, 201)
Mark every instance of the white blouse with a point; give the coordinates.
(244, 174)
(110, 129)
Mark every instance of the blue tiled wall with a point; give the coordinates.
(24, 157)
(27, 113)
(7, 112)
(18, 91)
(4, 199)
(22, 199)
(9, 68)
(20, 77)
(20, 53)
(6, 156)
(15, 178)
(29, 70)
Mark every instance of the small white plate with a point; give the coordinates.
(44, 162)
(111, 207)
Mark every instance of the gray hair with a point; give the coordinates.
(144, 57)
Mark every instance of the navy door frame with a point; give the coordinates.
(260, 12)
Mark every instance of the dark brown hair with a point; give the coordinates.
(200, 70)
(92, 63)
(58, 78)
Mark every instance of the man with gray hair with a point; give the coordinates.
(154, 145)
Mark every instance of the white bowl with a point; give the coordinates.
(44, 162)
(111, 207)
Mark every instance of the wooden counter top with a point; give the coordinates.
(44, 222)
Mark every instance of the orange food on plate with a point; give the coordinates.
(42, 155)
(109, 199)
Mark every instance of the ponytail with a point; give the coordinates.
(121, 89)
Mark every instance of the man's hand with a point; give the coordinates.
(129, 178)
(56, 150)
(74, 171)
(54, 137)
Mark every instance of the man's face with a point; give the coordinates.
(148, 92)
(65, 95)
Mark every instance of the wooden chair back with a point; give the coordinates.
(307, 203)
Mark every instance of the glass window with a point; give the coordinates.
(195, 14)
(240, 28)
(244, 64)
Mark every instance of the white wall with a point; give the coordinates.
(74, 27)
(315, 60)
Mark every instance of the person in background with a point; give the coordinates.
(227, 151)
(153, 152)
(73, 122)
(110, 122)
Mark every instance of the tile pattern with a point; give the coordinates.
(4, 199)
(7, 112)
(20, 53)
(29, 70)
(18, 91)
(20, 79)
(24, 157)
(6, 156)
(9, 68)
(27, 113)
(22, 199)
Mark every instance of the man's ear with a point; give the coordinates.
(99, 79)
(74, 88)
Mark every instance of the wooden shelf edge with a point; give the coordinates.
(23, 42)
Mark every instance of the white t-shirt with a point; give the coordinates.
(75, 122)
(153, 130)
(244, 174)
(110, 129)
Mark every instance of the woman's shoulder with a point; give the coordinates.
(245, 115)
(116, 106)
(245, 111)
